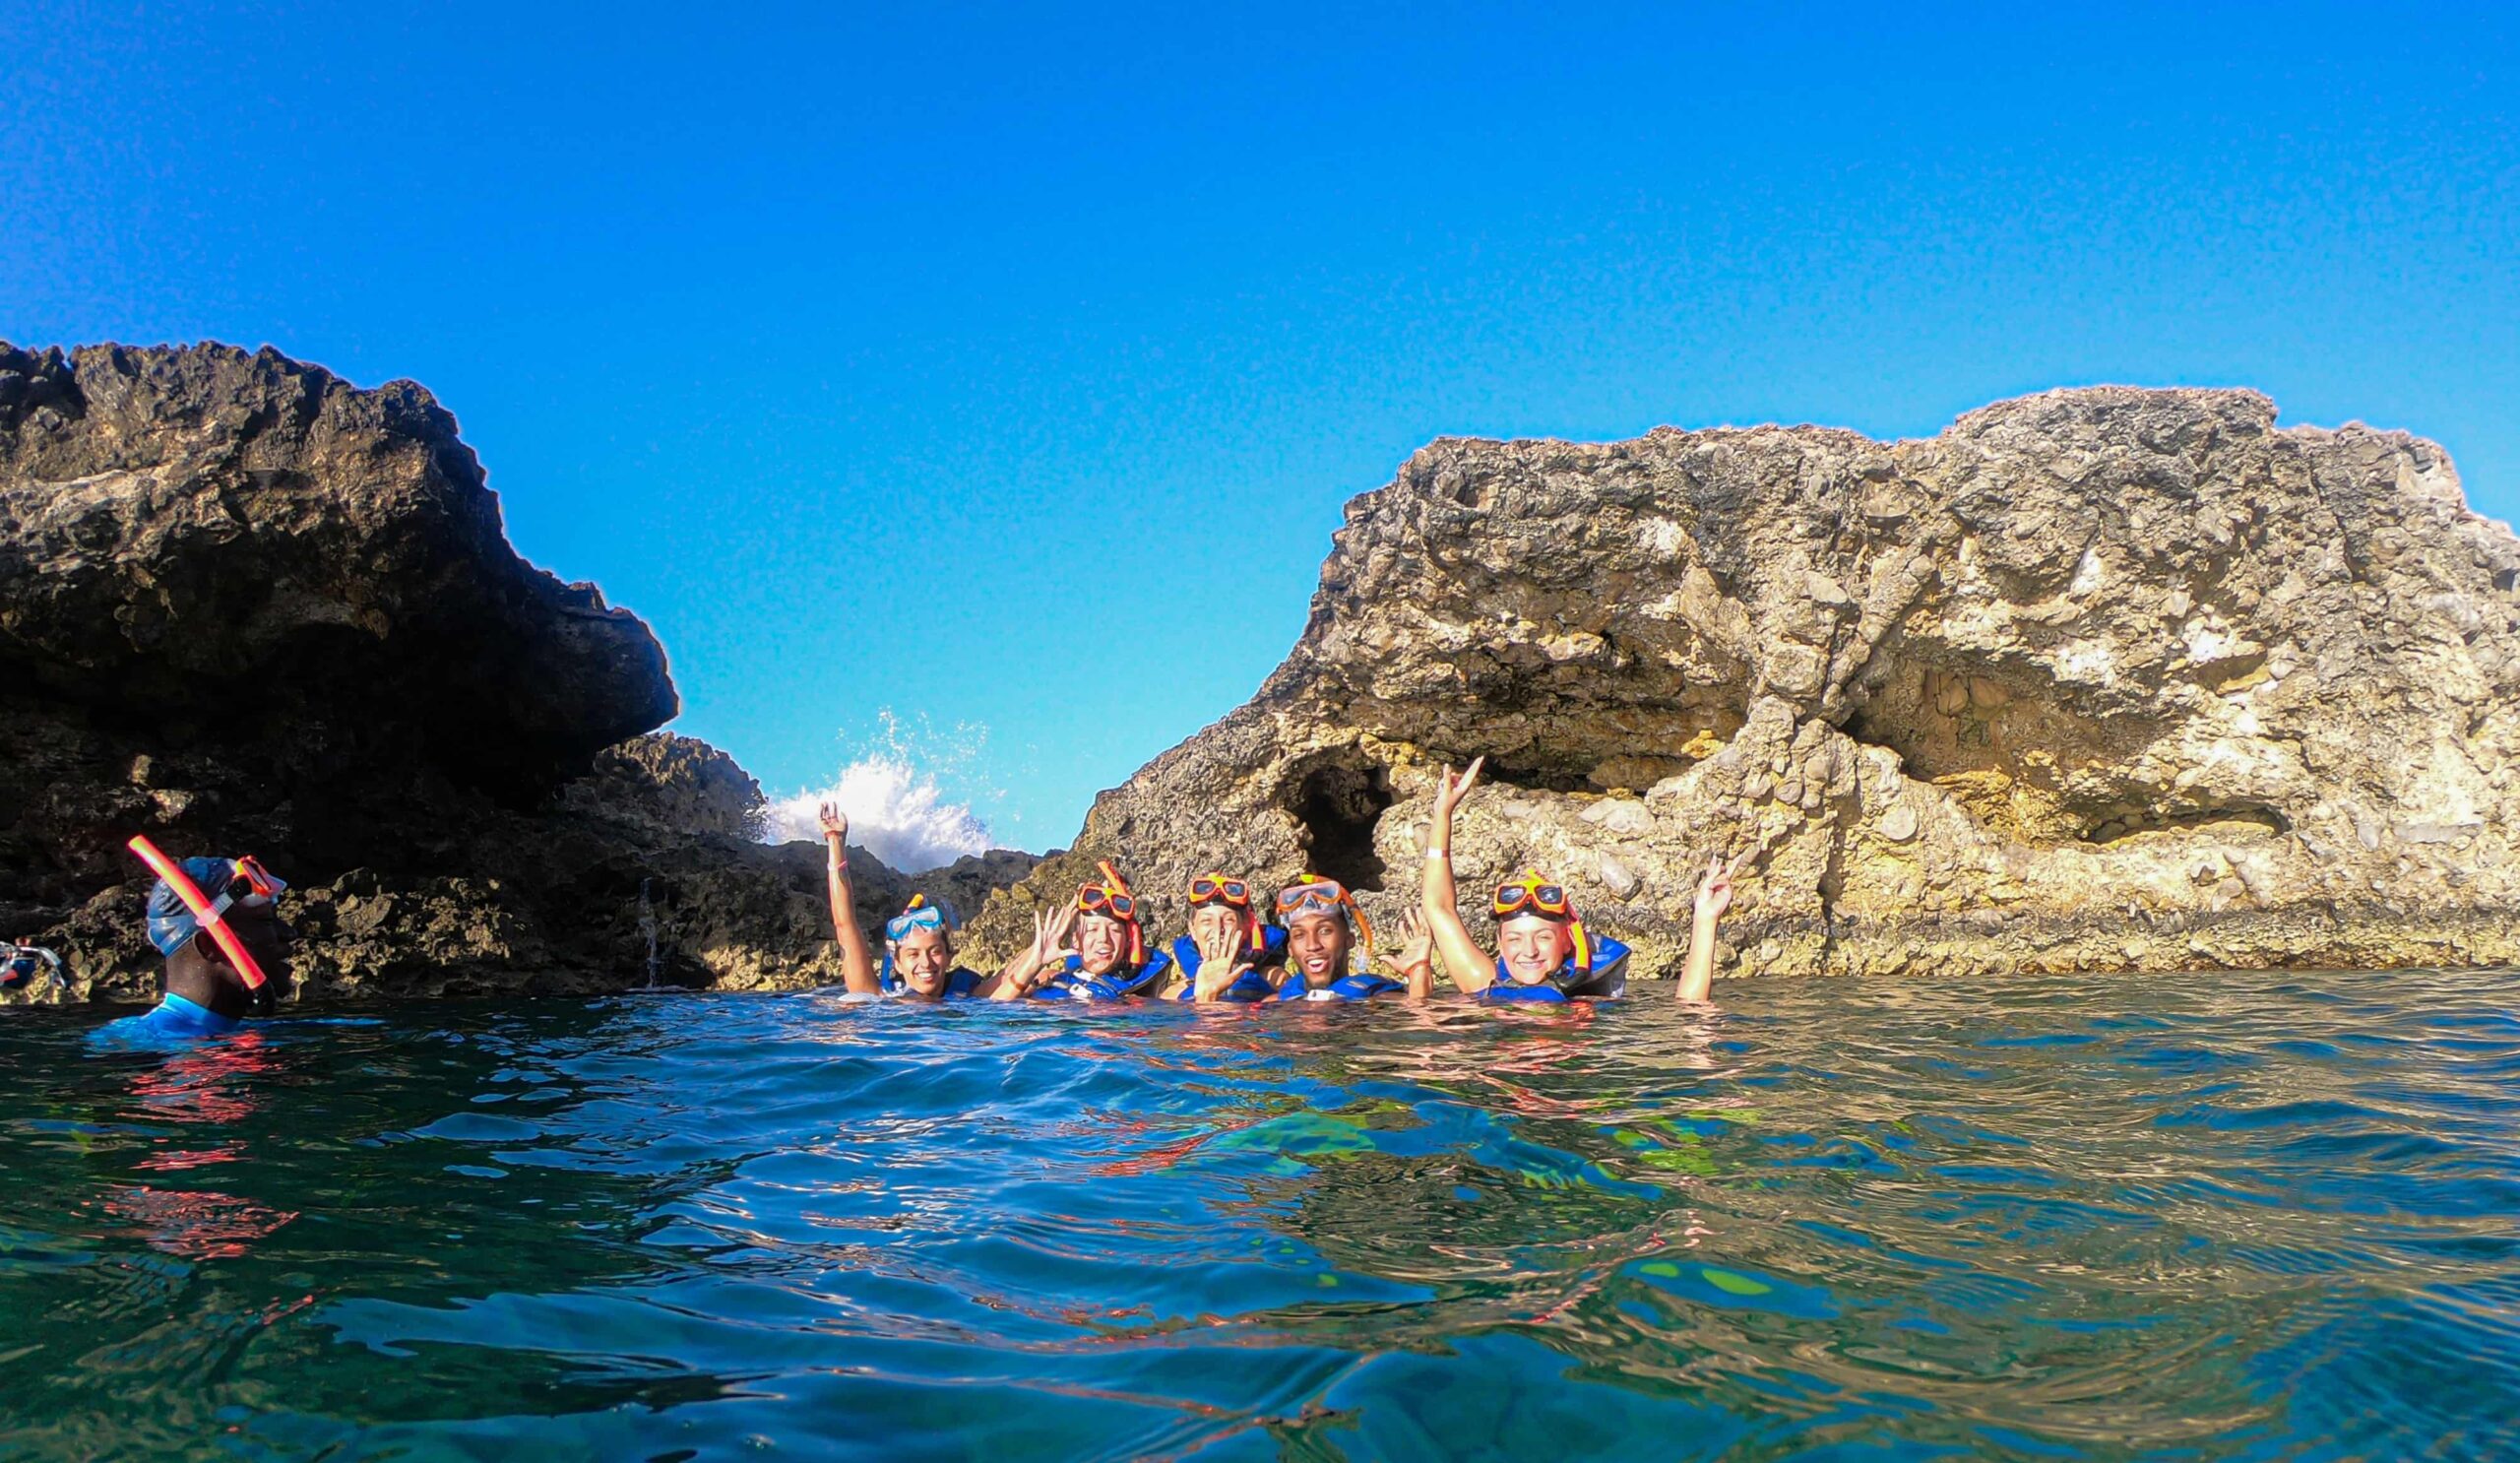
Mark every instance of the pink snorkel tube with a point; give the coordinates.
(210, 917)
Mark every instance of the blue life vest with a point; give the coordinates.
(1116, 984)
(1250, 985)
(1346, 987)
(1606, 979)
(959, 983)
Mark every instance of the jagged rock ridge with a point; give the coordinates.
(248, 606)
(2098, 678)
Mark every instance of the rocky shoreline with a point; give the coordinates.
(248, 606)
(2095, 679)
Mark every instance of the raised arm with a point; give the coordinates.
(1470, 966)
(1416, 956)
(1714, 897)
(1220, 964)
(856, 962)
(1050, 947)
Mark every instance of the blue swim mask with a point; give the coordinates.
(922, 914)
(229, 883)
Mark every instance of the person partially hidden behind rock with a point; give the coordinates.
(1544, 952)
(918, 943)
(207, 991)
(21, 961)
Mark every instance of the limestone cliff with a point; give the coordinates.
(246, 606)
(2098, 678)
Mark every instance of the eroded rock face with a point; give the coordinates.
(2100, 678)
(246, 606)
(675, 783)
(240, 540)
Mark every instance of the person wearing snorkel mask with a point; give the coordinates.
(21, 961)
(1324, 929)
(1544, 952)
(1108, 959)
(918, 943)
(216, 921)
(1223, 919)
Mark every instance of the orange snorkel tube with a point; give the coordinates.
(1112, 882)
(210, 917)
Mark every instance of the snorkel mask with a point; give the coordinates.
(1111, 897)
(1234, 894)
(20, 963)
(178, 909)
(1527, 893)
(1315, 895)
(921, 913)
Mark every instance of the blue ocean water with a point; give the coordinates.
(2200, 1216)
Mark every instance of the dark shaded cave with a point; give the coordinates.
(1507, 772)
(1338, 804)
(2110, 829)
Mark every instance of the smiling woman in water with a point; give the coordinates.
(1110, 960)
(918, 943)
(1544, 952)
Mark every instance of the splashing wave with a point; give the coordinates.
(897, 812)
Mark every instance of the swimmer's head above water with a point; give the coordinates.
(1107, 932)
(1536, 931)
(1323, 926)
(919, 946)
(216, 921)
(1221, 908)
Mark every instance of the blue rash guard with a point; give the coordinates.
(173, 1021)
(959, 984)
(1115, 984)
(1250, 985)
(1605, 980)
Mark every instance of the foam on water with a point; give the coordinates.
(2092, 1217)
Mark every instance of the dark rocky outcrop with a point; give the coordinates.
(248, 606)
(2105, 679)
(2099, 678)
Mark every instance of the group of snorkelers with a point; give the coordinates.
(1319, 946)
(215, 921)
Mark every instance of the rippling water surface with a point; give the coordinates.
(2197, 1217)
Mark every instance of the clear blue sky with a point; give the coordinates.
(835, 341)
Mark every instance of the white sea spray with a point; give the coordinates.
(898, 809)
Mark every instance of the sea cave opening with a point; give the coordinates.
(1338, 804)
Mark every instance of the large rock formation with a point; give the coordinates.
(2104, 679)
(248, 606)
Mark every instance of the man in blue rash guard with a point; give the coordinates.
(1223, 917)
(205, 993)
(918, 943)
